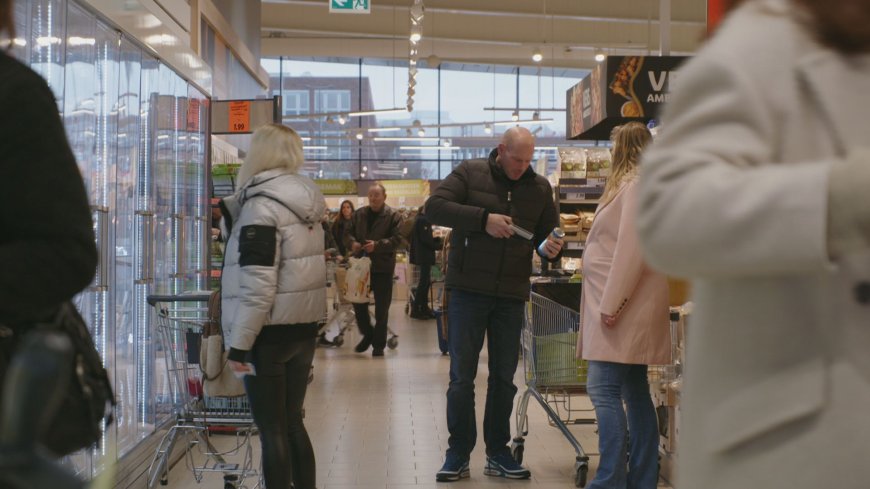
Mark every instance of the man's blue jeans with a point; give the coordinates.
(470, 317)
(609, 384)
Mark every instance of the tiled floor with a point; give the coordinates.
(380, 422)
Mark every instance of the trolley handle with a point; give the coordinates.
(198, 297)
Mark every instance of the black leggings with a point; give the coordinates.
(277, 393)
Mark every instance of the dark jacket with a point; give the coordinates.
(478, 262)
(338, 229)
(384, 232)
(47, 247)
(422, 242)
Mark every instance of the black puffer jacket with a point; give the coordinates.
(384, 232)
(478, 262)
(47, 247)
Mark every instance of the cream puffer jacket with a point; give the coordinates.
(273, 285)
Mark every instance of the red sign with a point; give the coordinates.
(240, 116)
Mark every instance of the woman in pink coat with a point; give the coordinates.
(625, 326)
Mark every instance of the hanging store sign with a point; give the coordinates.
(350, 6)
(244, 116)
(397, 189)
(337, 187)
(619, 90)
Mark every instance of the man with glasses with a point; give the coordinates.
(490, 204)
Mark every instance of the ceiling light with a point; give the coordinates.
(417, 11)
(362, 175)
(515, 116)
(405, 170)
(413, 61)
(365, 168)
(430, 148)
(375, 112)
(518, 122)
(342, 119)
(359, 136)
(537, 55)
(383, 129)
(446, 143)
(416, 33)
(599, 55)
(433, 61)
(421, 132)
(429, 139)
(487, 128)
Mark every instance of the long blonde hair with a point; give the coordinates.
(628, 142)
(273, 146)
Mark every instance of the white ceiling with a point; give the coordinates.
(504, 32)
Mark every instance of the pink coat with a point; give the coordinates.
(617, 281)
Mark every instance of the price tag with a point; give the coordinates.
(240, 116)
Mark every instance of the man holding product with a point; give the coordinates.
(490, 203)
(374, 230)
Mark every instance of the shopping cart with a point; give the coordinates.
(412, 279)
(180, 318)
(553, 375)
(342, 316)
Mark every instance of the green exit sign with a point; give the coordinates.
(350, 6)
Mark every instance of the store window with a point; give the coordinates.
(296, 102)
(327, 101)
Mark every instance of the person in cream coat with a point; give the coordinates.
(757, 189)
(624, 316)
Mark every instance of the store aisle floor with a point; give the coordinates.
(379, 423)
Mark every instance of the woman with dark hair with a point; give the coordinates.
(340, 224)
(624, 308)
(756, 190)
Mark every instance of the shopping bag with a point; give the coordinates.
(357, 283)
(218, 379)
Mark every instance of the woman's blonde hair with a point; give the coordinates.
(273, 146)
(628, 142)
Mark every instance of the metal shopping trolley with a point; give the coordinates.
(412, 279)
(342, 316)
(179, 318)
(553, 375)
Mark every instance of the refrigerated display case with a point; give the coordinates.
(139, 133)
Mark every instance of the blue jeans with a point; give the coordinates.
(470, 317)
(609, 385)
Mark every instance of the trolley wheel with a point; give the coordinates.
(393, 342)
(580, 476)
(517, 452)
(338, 340)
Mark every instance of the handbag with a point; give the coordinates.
(217, 379)
(88, 406)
